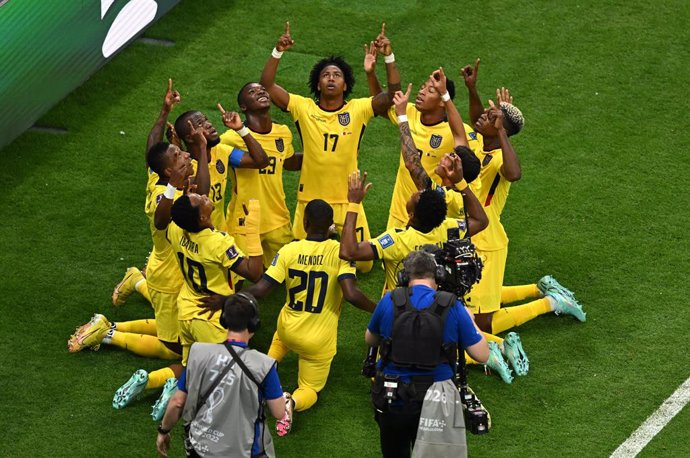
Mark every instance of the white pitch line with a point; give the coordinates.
(654, 423)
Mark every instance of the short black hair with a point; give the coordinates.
(470, 163)
(239, 94)
(155, 157)
(450, 87)
(237, 312)
(420, 264)
(430, 210)
(185, 215)
(339, 62)
(319, 214)
(181, 125)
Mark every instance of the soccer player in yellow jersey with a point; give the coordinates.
(501, 167)
(264, 183)
(331, 128)
(205, 257)
(219, 155)
(316, 280)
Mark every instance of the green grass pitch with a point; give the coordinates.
(602, 205)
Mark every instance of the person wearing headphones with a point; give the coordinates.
(222, 390)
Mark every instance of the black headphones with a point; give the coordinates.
(403, 278)
(254, 321)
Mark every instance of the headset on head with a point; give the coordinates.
(403, 278)
(254, 321)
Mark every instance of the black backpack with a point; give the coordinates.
(417, 337)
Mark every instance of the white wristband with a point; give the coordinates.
(170, 192)
(243, 131)
(445, 97)
(402, 119)
(277, 54)
(389, 59)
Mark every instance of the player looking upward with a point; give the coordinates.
(264, 183)
(316, 280)
(501, 167)
(331, 128)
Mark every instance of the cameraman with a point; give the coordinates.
(398, 413)
(222, 389)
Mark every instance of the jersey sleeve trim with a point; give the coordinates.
(270, 279)
(346, 276)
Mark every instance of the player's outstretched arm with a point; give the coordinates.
(469, 74)
(257, 157)
(355, 296)
(172, 415)
(411, 157)
(161, 217)
(279, 96)
(350, 250)
(169, 100)
(439, 81)
(196, 141)
(370, 69)
(383, 101)
(294, 162)
(511, 169)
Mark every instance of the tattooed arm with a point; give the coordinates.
(411, 156)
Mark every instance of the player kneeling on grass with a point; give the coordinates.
(222, 392)
(316, 280)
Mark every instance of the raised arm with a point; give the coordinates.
(294, 162)
(510, 169)
(370, 69)
(355, 296)
(279, 96)
(156, 135)
(350, 250)
(411, 156)
(383, 101)
(439, 81)
(469, 73)
(257, 158)
(477, 220)
(161, 217)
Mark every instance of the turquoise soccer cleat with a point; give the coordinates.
(497, 364)
(130, 390)
(512, 347)
(161, 404)
(567, 306)
(547, 284)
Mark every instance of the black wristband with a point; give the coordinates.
(162, 430)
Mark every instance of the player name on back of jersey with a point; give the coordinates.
(189, 245)
(310, 260)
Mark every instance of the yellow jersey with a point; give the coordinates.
(205, 259)
(162, 273)
(432, 142)
(330, 140)
(265, 184)
(218, 171)
(311, 271)
(395, 244)
(492, 189)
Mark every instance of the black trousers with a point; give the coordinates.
(398, 431)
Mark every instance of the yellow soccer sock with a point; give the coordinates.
(158, 378)
(493, 338)
(143, 288)
(510, 294)
(304, 398)
(510, 317)
(142, 345)
(147, 327)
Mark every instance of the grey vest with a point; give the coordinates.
(224, 425)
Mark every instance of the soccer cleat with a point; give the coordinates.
(284, 425)
(547, 284)
(515, 354)
(126, 287)
(497, 364)
(89, 335)
(130, 390)
(161, 404)
(567, 306)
